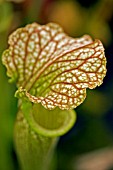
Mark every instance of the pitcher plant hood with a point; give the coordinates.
(52, 68)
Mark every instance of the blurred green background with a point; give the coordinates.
(89, 145)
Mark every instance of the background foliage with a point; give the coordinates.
(89, 144)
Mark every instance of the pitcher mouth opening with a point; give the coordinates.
(50, 123)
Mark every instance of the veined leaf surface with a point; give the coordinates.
(53, 68)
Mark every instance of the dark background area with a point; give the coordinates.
(89, 144)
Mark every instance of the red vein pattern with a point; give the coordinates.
(53, 68)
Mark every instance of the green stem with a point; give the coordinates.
(37, 131)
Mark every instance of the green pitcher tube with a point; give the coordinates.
(36, 134)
